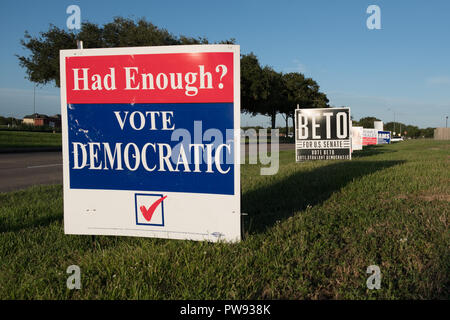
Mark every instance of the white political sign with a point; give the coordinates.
(357, 138)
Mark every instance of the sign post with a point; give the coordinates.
(151, 141)
(322, 134)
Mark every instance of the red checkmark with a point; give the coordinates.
(148, 213)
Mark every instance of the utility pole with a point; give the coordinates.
(394, 122)
(446, 120)
(34, 99)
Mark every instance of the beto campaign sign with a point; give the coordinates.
(322, 134)
(151, 141)
(384, 137)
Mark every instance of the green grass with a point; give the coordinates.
(27, 139)
(389, 206)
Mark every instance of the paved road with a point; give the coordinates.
(21, 170)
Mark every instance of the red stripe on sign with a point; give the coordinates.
(151, 78)
(369, 141)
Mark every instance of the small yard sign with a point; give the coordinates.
(322, 134)
(357, 138)
(370, 136)
(384, 137)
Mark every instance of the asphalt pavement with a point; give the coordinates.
(22, 170)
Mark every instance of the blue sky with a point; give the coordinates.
(404, 68)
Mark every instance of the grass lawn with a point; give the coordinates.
(28, 139)
(312, 231)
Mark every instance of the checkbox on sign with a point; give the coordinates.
(149, 209)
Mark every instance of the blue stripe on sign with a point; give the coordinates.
(140, 147)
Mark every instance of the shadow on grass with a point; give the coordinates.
(29, 223)
(371, 151)
(280, 200)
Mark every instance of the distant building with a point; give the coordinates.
(442, 134)
(55, 121)
(37, 119)
(28, 121)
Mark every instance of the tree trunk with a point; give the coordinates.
(287, 124)
(274, 118)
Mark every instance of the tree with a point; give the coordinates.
(427, 133)
(295, 95)
(42, 66)
(366, 122)
(303, 92)
(252, 84)
(275, 94)
(411, 131)
(262, 89)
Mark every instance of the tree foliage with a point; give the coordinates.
(405, 130)
(252, 84)
(367, 122)
(268, 92)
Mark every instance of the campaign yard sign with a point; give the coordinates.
(384, 137)
(357, 138)
(322, 134)
(151, 141)
(370, 136)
